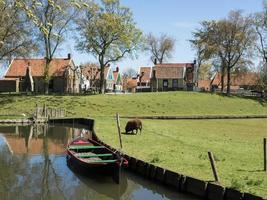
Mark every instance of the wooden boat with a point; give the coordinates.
(91, 157)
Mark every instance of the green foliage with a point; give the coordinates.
(230, 41)
(15, 34)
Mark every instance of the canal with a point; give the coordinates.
(33, 166)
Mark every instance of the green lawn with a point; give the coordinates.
(182, 146)
(179, 145)
(164, 104)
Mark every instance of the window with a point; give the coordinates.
(51, 84)
(175, 83)
(154, 73)
(165, 83)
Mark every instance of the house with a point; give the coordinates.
(90, 75)
(173, 76)
(130, 84)
(240, 81)
(204, 85)
(30, 75)
(117, 85)
(144, 79)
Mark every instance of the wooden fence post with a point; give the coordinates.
(265, 154)
(213, 166)
(119, 128)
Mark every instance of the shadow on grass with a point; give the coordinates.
(131, 134)
(242, 170)
(260, 100)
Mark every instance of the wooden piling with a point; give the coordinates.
(119, 128)
(265, 154)
(213, 166)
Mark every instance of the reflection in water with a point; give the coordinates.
(33, 166)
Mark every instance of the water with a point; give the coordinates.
(33, 166)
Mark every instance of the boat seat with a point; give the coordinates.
(90, 155)
(100, 161)
(85, 147)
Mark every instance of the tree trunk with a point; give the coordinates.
(228, 80)
(222, 79)
(74, 82)
(46, 75)
(102, 79)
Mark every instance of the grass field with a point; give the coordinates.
(164, 104)
(179, 145)
(182, 146)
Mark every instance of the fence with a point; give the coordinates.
(48, 113)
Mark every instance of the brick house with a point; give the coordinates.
(129, 84)
(245, 80)
(173, 76)
(62, 76)
(91, 78)
(144, 79)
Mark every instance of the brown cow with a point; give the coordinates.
(134, 124)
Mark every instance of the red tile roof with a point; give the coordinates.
(18, 67)
(131, 83)
(249, 79)
(145, 72)
(241, 79)
(171, 70)
(177, 65)
(204, 84)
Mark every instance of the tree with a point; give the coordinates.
(260, 24)
(229, 40)
(202, 48)
(55, 19)
(108, 31)
(130, 72)
(160, 48)
(15, 37)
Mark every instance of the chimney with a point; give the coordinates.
(117, 69)
(155, 61)
(69, 56)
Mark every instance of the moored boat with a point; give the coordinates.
(91, 157)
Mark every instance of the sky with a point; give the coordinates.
(177, 18)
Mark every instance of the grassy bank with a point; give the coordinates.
(147, 104)
(179, 145)
(182, 146)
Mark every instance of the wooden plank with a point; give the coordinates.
(85, 147)
(100, 161)
(213, 166)
(265, 154)
(93, 155)
(119, 128)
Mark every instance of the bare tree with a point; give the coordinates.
(161, 48)
(130, 72)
